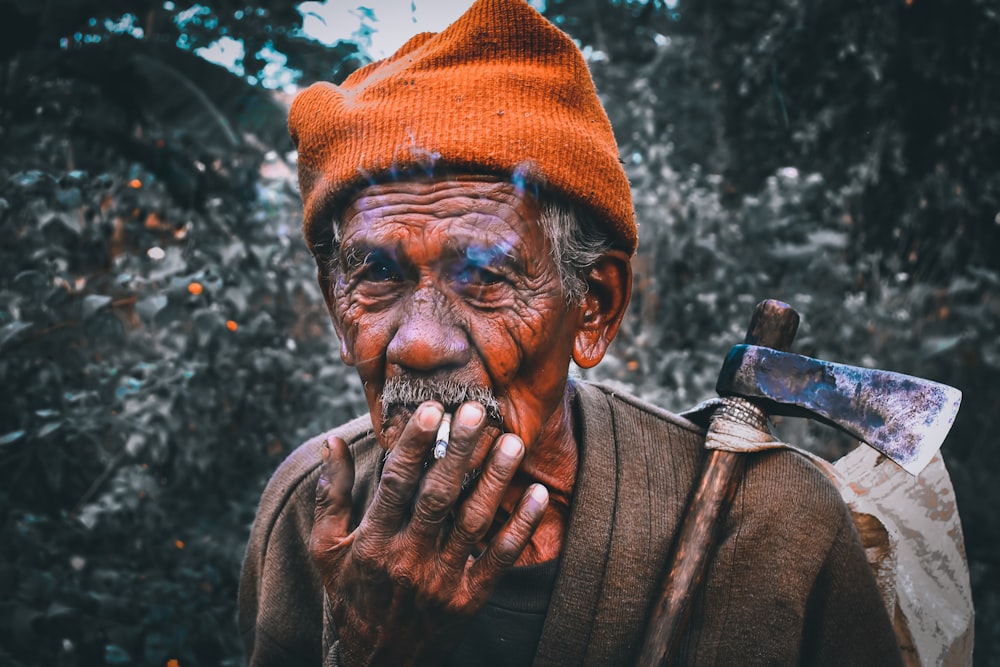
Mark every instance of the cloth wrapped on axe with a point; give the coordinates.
(905, 511)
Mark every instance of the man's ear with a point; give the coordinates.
(609, 288)
(326, 287)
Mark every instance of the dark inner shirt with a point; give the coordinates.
(506, 631)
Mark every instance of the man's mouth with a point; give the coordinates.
(401, 396)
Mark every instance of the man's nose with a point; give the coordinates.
(428, 337)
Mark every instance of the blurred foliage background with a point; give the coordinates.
(163, 344)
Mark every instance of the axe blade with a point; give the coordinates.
(903, 417)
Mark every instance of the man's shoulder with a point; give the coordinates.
(624, 404)
(778, 476)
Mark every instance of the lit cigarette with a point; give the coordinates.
(441, 442)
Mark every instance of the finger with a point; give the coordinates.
(331, 521)
(477, 513)
(467, 426)
(402, 472)
(442, 484)
(505, 548)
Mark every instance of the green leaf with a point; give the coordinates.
(93, 303)
(151, 305)
(49, 428)
(11, 437)
(10, 330)
(116, 655)
(171, 264)
(939, 344)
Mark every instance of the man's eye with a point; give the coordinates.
(476, 275)
(379, 270)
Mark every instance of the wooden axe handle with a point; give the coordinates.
(773, 325)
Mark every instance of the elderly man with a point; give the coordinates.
(473, 226)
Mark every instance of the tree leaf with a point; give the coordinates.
(93, 303)
(11, 437)
(150, 306)
(10, 330)
(116, 655)
(47, 429)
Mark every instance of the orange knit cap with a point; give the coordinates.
(501, 91)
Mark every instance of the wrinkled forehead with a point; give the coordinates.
(467, 189)
(461, 208)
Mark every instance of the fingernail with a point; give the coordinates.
(510, 445)
(470, 414)
(538, 495)
(324, 466)
(429, 415)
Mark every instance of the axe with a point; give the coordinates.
(903, 417)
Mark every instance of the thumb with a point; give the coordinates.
(331, 522)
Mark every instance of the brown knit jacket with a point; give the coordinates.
(789, 584)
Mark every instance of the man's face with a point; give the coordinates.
(451, 284)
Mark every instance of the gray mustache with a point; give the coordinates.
(401, 392)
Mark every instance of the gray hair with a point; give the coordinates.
(576, 240)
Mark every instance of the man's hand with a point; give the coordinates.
(404, 581)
